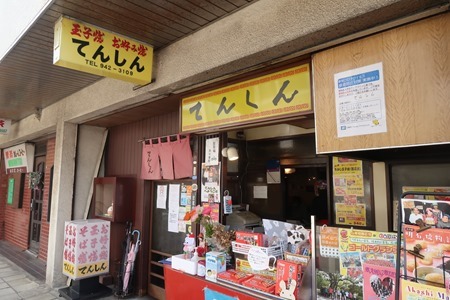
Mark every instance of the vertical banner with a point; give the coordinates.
(10, 191)
(212, 151)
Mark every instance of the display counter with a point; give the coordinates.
(179, 285)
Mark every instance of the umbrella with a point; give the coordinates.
(127, 279)
(126, 243)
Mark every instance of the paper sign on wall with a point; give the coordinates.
(360, 102)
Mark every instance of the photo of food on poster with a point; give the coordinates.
(210, 183)
(358, 247)
(427, 254)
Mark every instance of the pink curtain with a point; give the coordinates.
(150, 169)
(182, 157)
(165, 155)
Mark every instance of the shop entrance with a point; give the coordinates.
(37, 197)
(306, 193)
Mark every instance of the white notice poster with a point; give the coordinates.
(174, 200)
(212, 152)
(360, 102)
(161, 198)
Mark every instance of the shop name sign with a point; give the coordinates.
(284, 93)
(19, 159)
(84, 47)
(5, 125)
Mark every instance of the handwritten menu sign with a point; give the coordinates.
(86, 248)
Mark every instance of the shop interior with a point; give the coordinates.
(278, 176)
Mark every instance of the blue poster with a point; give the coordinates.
(213, 295)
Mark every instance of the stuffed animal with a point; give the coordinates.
(288, 294)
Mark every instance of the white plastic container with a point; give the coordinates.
(185, 265)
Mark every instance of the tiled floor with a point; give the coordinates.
(24, 260)
(22, 276)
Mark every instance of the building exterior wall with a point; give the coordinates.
(17, 220)
(49, 161)
(123, 158)
(262, 33)
(3, 195)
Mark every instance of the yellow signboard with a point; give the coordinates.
(85, 270)
(284, 93)
(84, 47)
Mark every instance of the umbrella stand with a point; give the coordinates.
(130, 248)
(126, 244)
(129, 271)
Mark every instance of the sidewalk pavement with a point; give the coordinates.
(17, 284)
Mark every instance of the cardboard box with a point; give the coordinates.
(244, 266)
(234, 276)
(260, 283)
(250, 238)
(215, 264)
(288, 271)
(185, 265)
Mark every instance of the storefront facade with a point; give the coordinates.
(79, 130)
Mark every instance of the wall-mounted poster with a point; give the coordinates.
(360, 102)
(352, 192)
(347, 177)
(211, 183)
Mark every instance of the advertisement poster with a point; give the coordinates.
(329, 242)
(442, 189)
(211, 183)
(435, 214)
(348, 177)
(379, 282)
(360, 102)
(427, 254)
(350, 214)
(358, 247)
(416, 291)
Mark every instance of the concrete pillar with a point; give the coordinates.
(62, 196)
